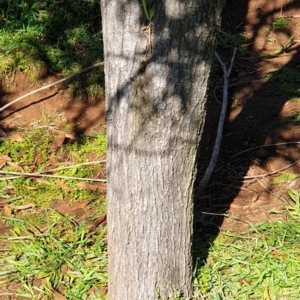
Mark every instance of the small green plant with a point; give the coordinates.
(280, 23)
(288, 81)
(294, 209)
(229, 40)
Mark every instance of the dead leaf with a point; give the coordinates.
(96, 222)
(7, 210)
(3, 160)
(58, 142)
(53, 161)
(4, 202)
(59, 296)
(80, 204)
(38, 158)
(15, 166)
(43, 181)
(63, 186)
(244, 281)
(8, 187)
(22, 152)
(92, 187)
(16, 138)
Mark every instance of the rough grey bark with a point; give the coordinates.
(155, 110)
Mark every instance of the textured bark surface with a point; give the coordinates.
(155, 105)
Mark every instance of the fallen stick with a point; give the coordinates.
(203, 183)
(271, 173)
(25, 174)
(52, 84)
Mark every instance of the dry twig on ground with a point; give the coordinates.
(226, 72)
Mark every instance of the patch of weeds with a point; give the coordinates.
(260, 264)
(89, 144)
(69, 263)
(280, 23)
(288, 81)
(58, 37)
(23, 149)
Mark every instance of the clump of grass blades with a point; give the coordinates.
(261, 264)
(67, 261)
(288, 81)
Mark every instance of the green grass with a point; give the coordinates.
(261, 264)
(34, 156)
(280, 23)
(68, 261)
(56, 36)
(234, 40)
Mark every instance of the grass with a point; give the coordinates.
(48, 253)
(260, 264)
(52, 250)
(237, 40)
(52, 37)
(288, 81)
(280, 23)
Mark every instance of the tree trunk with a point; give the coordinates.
(156, 80)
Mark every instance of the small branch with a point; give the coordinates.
(52, 84)
(272, 173)
(202, 185)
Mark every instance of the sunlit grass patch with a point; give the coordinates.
(69, 261)
(262, 264)
(53, 247)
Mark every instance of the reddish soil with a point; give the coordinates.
(241, 186)
(259, 116)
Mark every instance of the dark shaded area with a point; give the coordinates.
(253, 122)
(50, 39)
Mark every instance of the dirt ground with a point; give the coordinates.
(261, 136)
(259, 141)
